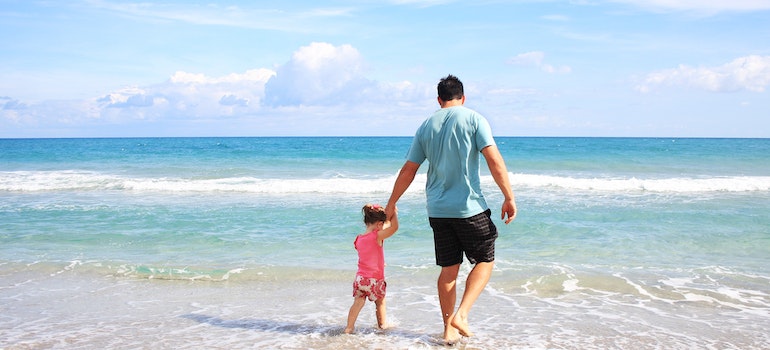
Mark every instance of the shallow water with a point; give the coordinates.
(234, 243)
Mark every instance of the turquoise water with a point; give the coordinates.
(649, 241)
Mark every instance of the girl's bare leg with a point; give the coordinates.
(355, 309)
(381, 314)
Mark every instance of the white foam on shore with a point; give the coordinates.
(659, 185)
(69, 180)
(87, 309)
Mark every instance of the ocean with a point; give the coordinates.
(231, 243)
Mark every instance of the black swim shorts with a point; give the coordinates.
(475, 236)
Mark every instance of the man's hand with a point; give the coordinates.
(509, 209)
(390, 210)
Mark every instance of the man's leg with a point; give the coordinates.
(447, 297)
(474, 285)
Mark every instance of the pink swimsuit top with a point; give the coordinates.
(371, 256)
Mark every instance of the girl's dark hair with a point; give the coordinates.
(373, 213)
(450, 88)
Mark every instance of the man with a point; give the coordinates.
(451, 140)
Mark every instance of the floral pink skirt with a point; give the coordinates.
(372, 288)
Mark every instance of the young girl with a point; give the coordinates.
(370, 278)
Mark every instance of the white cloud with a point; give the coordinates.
(232, 100)
(10, 103)
(556, 18)
(423, 3)
(318, 74)
(701, 6)
(245, 16)
(750, 73)
(319, 79)
(188, 95)
(10, 108)
(253, 75)
(535, 59)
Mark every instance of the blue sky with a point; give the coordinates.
(104, 68)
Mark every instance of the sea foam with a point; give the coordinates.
(73, 180)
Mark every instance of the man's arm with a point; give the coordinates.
(500, 174)
(404, 179)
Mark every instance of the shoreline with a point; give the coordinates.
(74, 310)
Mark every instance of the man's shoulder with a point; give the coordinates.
(468, 112)
(466, 109)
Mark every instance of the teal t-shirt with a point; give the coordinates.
(451, 140)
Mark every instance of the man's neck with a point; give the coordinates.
(452, 103)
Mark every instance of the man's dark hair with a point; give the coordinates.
(450, 88)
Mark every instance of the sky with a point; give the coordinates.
(598, 68)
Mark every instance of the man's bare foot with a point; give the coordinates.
(451, 338)
(460, 322)
(348, 331)
(450, 334)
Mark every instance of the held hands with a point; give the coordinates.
(390, 211)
